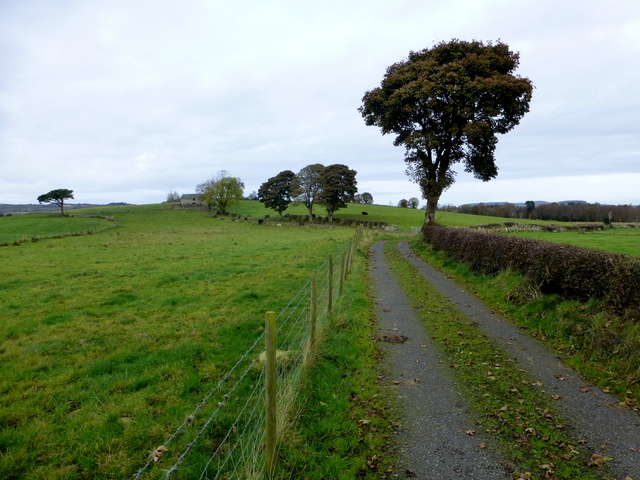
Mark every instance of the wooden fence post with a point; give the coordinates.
(270, 394)
(342, 268)
(330, 282)
(314, 307)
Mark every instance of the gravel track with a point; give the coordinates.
(433, 443)
(435, 413)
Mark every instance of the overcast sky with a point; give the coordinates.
(125, 101)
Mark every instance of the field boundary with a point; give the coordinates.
(19, 239)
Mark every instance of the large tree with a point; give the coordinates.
(445, 105)
(309, 186)
(276, 193)
(57, 197)
(338, 186)
(221, 192)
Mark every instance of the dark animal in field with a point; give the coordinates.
(365, 213)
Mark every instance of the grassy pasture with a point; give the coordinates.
(108, 341)
(44, 225)
(404, 218)
(615, 240)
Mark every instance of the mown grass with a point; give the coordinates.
(506, 403)
(344, 425)
(110, 340)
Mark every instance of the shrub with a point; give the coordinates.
(568, 270)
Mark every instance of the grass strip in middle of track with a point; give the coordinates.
(507, 403)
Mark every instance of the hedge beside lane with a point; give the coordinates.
(568, 270)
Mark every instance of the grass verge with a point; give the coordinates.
(343, 427)
(599, 344)
(507, 403)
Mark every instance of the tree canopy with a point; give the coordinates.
(338, 186)
(446, 105)
(221, 192)
(277, 192)
(57, 197)
(172, 197)
(309, 186)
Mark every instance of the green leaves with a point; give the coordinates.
(221, 192)
(446, 105)
(56, 197)
(277, 192)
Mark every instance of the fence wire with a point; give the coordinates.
(230, 441)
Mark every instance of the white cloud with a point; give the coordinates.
(124, 101)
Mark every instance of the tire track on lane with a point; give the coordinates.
(433, 440)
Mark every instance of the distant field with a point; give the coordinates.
(617, 240)
(44, 225)
(404, 218)
(17, 228)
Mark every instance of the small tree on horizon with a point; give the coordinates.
(57, 197)
(221, 192)
(530, 205)
(276, 193)
(337, 187)
(367, 198)
(309, 186)
(172, 197)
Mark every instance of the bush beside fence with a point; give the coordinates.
(576, 272)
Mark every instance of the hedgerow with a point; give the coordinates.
(574, 272)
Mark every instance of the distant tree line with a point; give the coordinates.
(560, 212)
(413, 202)
(332, 187)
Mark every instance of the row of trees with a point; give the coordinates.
(561, 212)
(413, 202)
(332, 187)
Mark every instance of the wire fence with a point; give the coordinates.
(224, 436)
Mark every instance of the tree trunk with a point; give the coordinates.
(430, 215)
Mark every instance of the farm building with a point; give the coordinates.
(191, 200)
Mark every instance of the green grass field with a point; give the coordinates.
(43, 225)
(109, 340)
(615, 240)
